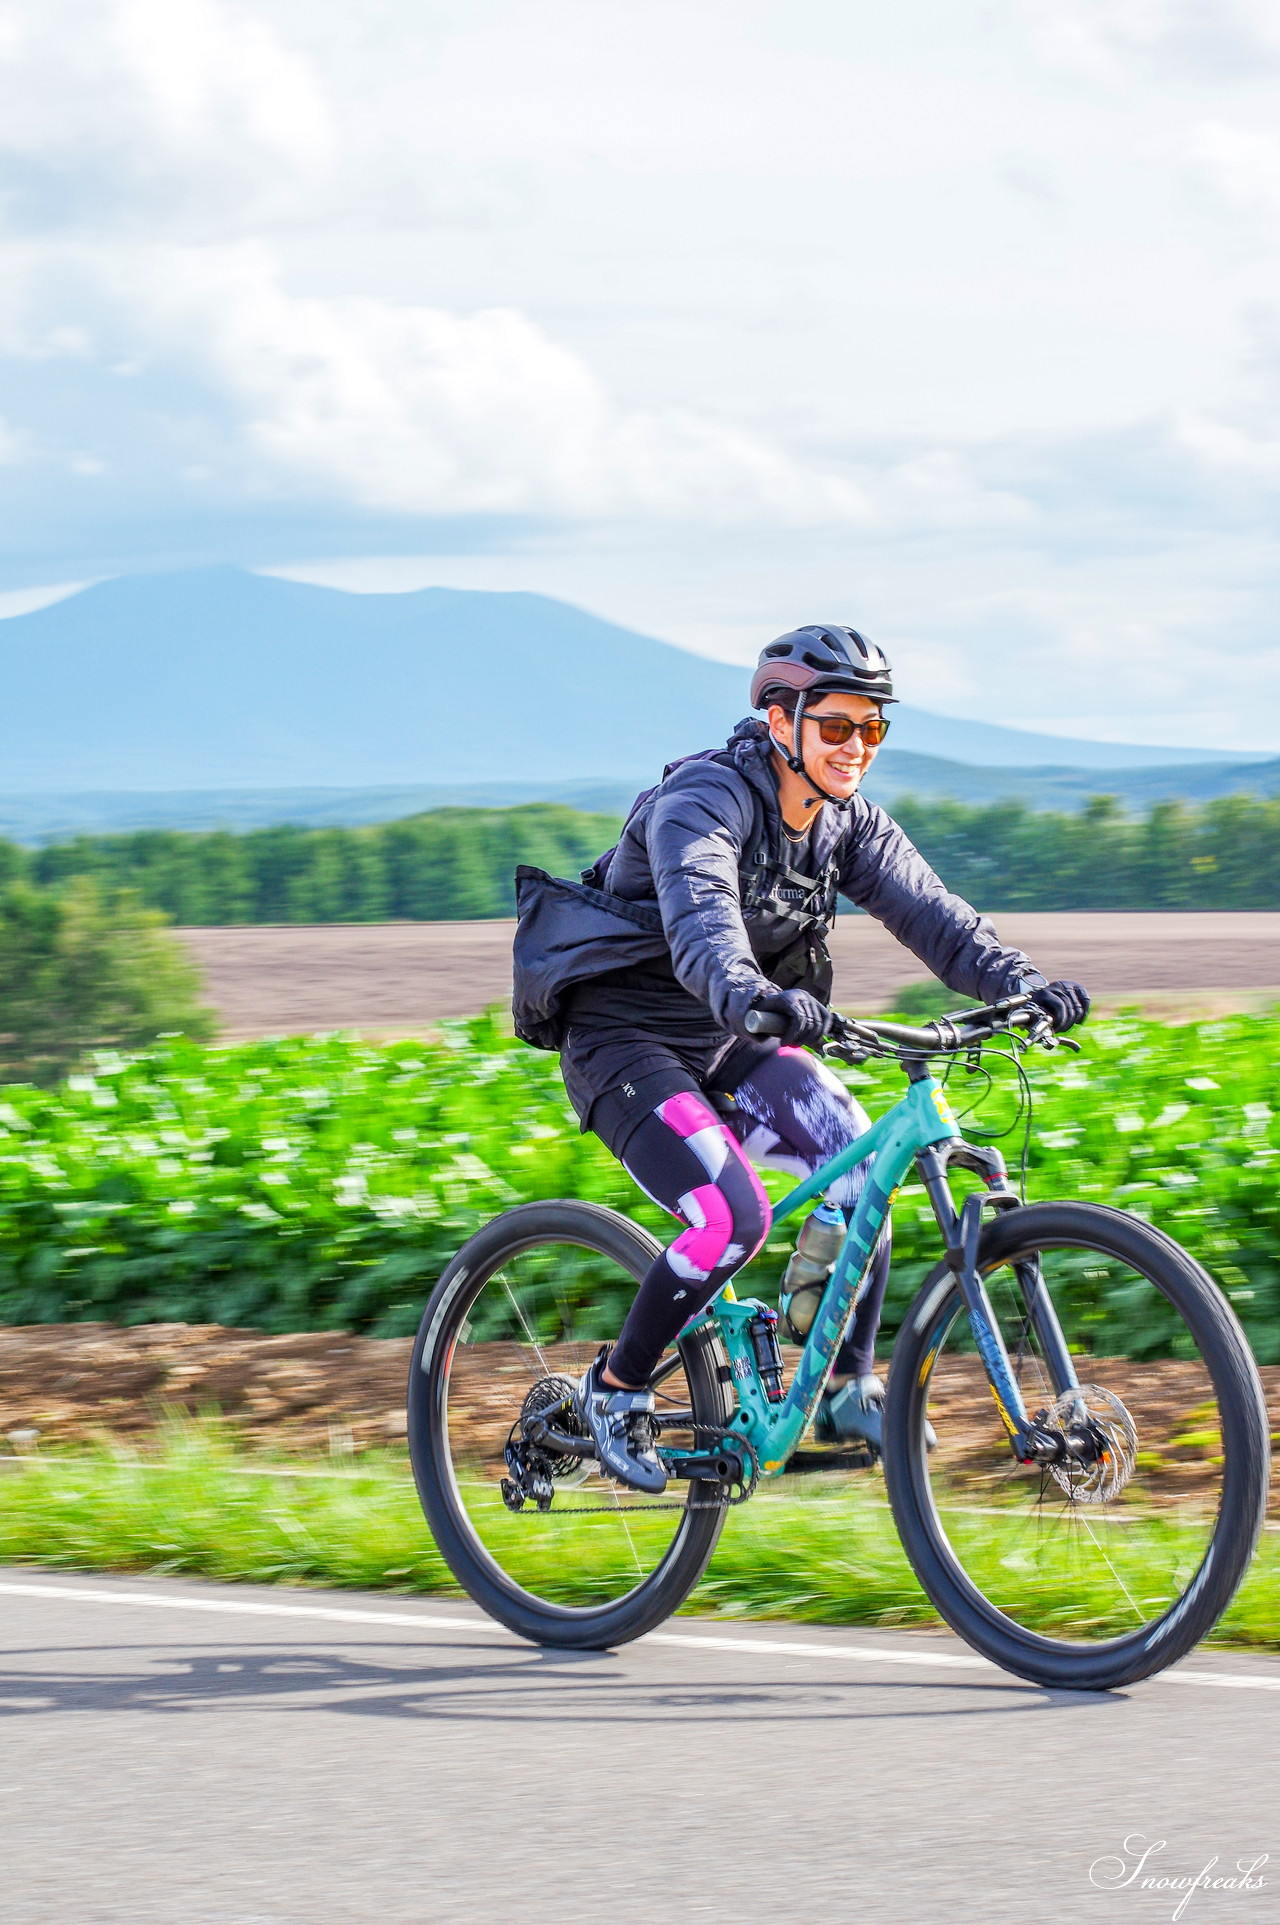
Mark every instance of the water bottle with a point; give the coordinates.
(812, 1262)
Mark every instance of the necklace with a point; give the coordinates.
(795, 835)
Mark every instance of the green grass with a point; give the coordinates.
(196, 1505)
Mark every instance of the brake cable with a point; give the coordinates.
(1025, 1111)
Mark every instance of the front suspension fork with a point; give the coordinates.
(962, 1232)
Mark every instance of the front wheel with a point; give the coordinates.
(1085, 1576)
(515, 1319)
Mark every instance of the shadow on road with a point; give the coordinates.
(533, 1687)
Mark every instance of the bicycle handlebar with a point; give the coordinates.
(758, 1022)
(944, 1037)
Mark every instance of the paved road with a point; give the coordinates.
(401, 977)
(200, 1755)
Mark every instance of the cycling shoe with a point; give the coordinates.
(855, 1414)
(620, 1424)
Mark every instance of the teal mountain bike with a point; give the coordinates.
(1083, 1521)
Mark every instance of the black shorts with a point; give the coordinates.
(614, 1114)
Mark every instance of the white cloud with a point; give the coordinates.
(129, 111)
(415, 409)
(1242, 162)
(1238, 444)
(1232, 450)
(1107, 38)
(1149, 653)
(418, 410)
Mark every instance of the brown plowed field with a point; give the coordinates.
(399, 978)
(325, 1390)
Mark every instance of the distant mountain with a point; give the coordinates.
(986, 745)
(902, 773)
(37, 819)
(218, 679)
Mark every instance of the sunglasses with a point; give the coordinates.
(835, 729)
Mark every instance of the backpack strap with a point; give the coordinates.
(594, 877)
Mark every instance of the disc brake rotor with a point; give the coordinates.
(1101, 1481)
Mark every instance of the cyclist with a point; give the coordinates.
(716, 902)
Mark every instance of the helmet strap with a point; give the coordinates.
(795, 760)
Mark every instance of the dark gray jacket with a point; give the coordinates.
(700, 873)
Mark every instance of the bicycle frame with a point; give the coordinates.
(915, 1125)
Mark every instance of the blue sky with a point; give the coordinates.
(962, 323)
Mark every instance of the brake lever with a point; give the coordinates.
(844, 1052)
(1044, 1036)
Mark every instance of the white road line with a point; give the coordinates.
(486, 1627)
(243, 1607)
(868, 1653)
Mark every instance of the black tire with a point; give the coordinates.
(1226, 1527)
(697, 1515)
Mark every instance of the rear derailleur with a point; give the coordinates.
(547, 1441)
(530, 1480)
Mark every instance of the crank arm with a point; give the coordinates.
(545, 1436)
(711, 1466)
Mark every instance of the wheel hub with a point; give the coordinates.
(554, 1394)
(1099, 1444)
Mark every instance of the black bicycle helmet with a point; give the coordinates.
(819, 659)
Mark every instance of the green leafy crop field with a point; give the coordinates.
(321, 1183)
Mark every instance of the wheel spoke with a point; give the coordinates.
(534, 1345)
(1133, 1603)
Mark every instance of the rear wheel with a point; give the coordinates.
(514, 1320)
(1080, 1575)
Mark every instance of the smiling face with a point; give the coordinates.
(838, 770)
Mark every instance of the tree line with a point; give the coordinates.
(459, 864)
(450, 865)
(1224, 854)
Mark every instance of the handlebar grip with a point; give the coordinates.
(759, 1022)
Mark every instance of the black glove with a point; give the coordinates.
(1065, 1004)
(806, 1018)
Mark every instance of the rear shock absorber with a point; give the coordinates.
(764, 1341)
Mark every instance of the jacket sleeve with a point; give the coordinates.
(696, 833)
(884, 873)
